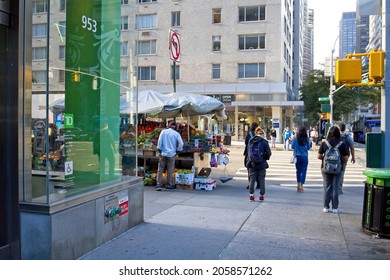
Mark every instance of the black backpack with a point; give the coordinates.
(256, 152)
(332, 159)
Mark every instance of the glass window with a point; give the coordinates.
(216, 71)
(175, 73)
(124, 48)
(62, 28)
(39, 30)
(147, 73)
(251, 70)
(39, 53)
(250, 42)
(61, 52)
(62, 5)
(175, 19)
(39, 77)
(251, 13)
(124, 23)
(146, 21)
(146, 1)
(217, 16)
(61, 76)
(124, 76)
(124, 2)
(216, 43)
(39, 6)
(146, 47)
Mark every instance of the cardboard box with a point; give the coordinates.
(184, 187)
(149, 153)
(203, 180)
(208, 186)
(184, 179)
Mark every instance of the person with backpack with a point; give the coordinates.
(258, 154)
(333, 154)
(301, 144)
(250, 134)
(349, 143)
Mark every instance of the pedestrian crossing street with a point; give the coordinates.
(282, 172)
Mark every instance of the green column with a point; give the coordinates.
(92, 91)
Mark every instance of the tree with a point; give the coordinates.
(346, 100)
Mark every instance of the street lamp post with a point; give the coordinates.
(331, 82)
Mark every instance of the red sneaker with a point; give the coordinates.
(251, 197)
(261, 198)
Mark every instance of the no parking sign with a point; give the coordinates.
(174, 45)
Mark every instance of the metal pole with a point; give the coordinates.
(331, 87)
(385, 92)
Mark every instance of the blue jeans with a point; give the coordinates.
(287, 144)
(301, 166)
(257, 175)
(331, 189)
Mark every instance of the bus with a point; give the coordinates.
(365, 123)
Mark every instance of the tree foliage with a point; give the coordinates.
(346, 100)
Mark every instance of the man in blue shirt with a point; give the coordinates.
(287, 138)
(168, 145)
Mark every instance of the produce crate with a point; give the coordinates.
(149, 153)
(184, 187)
(184, 179)
(208, 186)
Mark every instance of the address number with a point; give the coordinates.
(89, 23)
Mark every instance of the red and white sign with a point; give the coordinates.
(174, 46)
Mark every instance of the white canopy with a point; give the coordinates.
(164, 105)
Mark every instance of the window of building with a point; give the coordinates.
(125, 23)
(61, 76)
(146, 21)
(175, 19)
(39, 53)
(147, 73)
(146, 47)
(62, 28)
(124, 2)
(124, 48)
(61, 52)
(38, 77)
(217, 16)
(251, 13)
(146, 1)
(62, 5)
(251, 42)
(124, 75)
(251, 70)
(175, 73)
(216, 71)
(216, 43)
(39, 30)
(39, 6)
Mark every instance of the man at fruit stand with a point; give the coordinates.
(168, 145)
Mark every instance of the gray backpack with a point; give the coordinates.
(332, 159)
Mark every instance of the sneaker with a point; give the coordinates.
(261, 198)
(170, 187)
(326, 210)
(251, 197)
(159, 188)
(336, 210)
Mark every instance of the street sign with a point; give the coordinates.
(324, 99)
(174, 46)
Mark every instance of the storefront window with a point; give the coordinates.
(80, 138)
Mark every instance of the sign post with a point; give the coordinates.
(174, 47)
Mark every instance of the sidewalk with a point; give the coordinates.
(223, 225)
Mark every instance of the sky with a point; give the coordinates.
(327, 15)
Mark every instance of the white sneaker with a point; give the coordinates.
(336, 210)
(326, 210)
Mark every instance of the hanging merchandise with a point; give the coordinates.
(225, 175)
(213, 160)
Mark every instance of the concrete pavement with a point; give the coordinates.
(223, 225)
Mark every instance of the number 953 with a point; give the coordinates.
(89, 23)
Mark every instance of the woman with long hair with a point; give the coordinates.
(301, 144)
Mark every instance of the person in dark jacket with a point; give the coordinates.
(250, 134)
(257, 170)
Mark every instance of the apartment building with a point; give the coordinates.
(241, 52)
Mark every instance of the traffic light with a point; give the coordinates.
(376, 67)
(75, 76)
(348, 70)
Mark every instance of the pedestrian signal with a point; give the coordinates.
(376, 68)
(348, 71)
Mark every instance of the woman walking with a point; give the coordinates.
(330, 176)
(301, 144)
